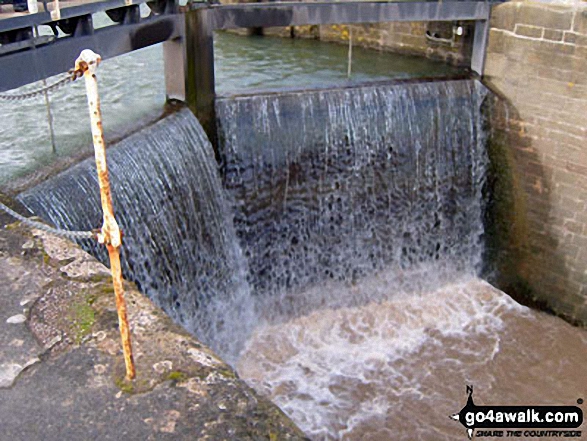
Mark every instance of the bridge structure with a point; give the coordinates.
(187, 35)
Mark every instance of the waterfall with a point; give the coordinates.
(179, 243)
(319, 186)
(336, 184)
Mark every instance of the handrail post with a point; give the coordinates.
(110, 234)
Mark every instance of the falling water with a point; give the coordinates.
(355, 217)
(340, 183)
(360, 212)
(179, 243)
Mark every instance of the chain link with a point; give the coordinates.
(72, 75)
(46, 228)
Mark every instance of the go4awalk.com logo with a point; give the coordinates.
(519, 421)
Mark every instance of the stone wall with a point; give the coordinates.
(60, 343)
(408, 38)
(537, 61)
(402, 37)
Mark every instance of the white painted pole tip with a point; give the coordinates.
(87, 59)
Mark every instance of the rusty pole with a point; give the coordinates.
(110, 234)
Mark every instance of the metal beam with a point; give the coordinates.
(28, 65)
(252, 15)
(24, 67)
(41, 18)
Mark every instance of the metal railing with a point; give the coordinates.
(110, 234)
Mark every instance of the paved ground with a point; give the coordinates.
(61, 367)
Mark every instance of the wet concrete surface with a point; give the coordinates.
(61, 364)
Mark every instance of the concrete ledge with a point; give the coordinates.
(61, 366)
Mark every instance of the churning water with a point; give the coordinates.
(336, 263)
(396, 369)
(360, 213)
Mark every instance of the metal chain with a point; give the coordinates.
(70, 76)
(46, 228)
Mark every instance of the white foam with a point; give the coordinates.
(334, 371)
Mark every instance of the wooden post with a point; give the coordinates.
(110, 234)
(56, 11)
(199, 86)
(32, 6)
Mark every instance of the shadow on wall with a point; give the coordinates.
(518, 225)
(537, 59)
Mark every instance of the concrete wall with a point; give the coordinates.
(537, 60)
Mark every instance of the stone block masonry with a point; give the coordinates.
(401, 37)
(407, 38)
(537, 61)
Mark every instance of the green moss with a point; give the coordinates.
(177, 376)
(228, 373)
(95, 278)
(82, 317)
(124, 385)
(504, 218)
(12, 226)
(106, 288)
(136, 386)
